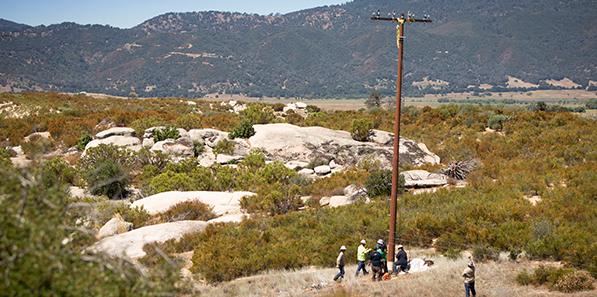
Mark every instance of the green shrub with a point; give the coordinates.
(37, 146)
(38, 261)
(278, 106)
(360, 129)
(193, 210)
(524, 278)
(84, 140)
(485, 254)
(452, 254)
(104, 152)
(57, 172)
(145, 123)
(379, 183)
(497, 121)
(199, 147)
(300, 180)
(224, 147)
(107, 178)
(242, 130)
(167, 133)
(312, 108)
(273, 199)
(559, 279)
(318, 161)
(189, 121)
(370, 163)
(5, 162)
(294, 118)
(258, 113)
(574, 282)
(591, 104)
(145, 156)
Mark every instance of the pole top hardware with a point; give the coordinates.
(409, 18)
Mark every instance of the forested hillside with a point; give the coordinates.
(325, 52)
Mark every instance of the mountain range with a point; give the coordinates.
(325, 52)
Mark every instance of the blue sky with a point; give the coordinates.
(129, 13)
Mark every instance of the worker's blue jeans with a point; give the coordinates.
(361, 266)
(470, 287)
(341, 273)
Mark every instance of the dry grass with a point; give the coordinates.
(493, 279)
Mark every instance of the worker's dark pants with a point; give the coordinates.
(376, 273)
(361, 266)
(470, 287)
(341, 273)
(403, 267)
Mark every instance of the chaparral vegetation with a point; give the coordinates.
(551, 154)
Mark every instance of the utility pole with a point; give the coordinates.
(396, 160)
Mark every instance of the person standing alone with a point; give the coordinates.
(362, 257)
(340, 262)
(469, 278)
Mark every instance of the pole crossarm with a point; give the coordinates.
(394, 19)
(396, 159)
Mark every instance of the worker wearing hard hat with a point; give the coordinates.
(340, 262)
(362, 257)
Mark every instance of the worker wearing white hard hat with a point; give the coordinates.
(340, 262)
(362, 257)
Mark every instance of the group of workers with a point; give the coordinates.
(379, 264)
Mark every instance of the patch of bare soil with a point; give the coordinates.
(566, 83)
(514, 82)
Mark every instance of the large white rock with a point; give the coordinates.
(114, 226)
(225, 159)
(131, 243)
(322, 170)
(422, 178)
(306, 171)
(182, 147)
(207, 158)
(150, 132)
(300, 105)
(298, 164)
(119, 131)
(382, 137)
(128, 142)
(202, 134)
(324, 201)
(224, 203)
(38, 135)
(336, 201)
(285, 142)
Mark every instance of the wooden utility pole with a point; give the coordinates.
(396, 160)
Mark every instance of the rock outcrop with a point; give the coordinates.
(287, 143)
(131, 243)
(225, 204)
(124, 137)
(423, 179)
(114, 226)
(182, 147)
